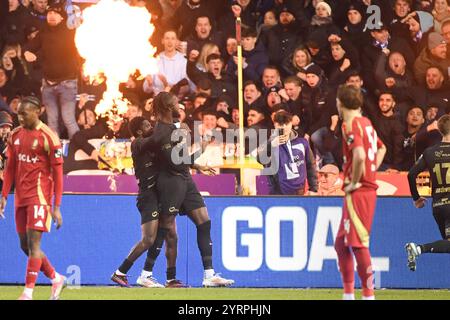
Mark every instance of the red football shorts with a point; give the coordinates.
(357, 218)
(34, 217)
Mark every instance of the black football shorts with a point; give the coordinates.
(148, 205)
(178, 194)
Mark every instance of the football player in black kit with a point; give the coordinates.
(143, 150)
(436, 160)
(177, 192)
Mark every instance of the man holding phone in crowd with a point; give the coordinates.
(292, 158)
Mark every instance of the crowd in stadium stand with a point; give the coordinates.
(295, 55)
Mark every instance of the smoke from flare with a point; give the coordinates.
(114, 41)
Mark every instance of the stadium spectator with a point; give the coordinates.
(381, 41)
(419, 23)
(369, 102)
(255, 58)
(171, 67)
(297, 63)
(293, 89)
(86, 118)
(389, 130)
(21, 74)
(345, 59)
(321, 117)
(434, 55)
(270, 20)
(204, 34)
(37, 14)
(293, 158)
(414, 121)
(245, 9)
(283, 38)
(354, 29)
(391, 73)
(56, 51)
(6, 126)
(330, 184)
(441, 13)
(185, 16)
(221, 83)
(435, 92)
(270, 78)
(401, 10)
(322, 26)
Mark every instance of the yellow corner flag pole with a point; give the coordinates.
(240, 100)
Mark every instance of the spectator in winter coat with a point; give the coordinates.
(345, 60)
(434, 55)
(391, 73)
(320, 113)
(255, 58)
(296, 64)
(283, 38)
(382, 40)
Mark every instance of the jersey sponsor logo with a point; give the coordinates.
(58, 153)
(27, 158)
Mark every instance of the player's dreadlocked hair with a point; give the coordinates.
(31, 101)
(163, 103)
(135, 125)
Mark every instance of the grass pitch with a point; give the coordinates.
(116, 293)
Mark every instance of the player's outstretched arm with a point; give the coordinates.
(417, 168)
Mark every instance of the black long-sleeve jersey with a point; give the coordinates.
(435, 159)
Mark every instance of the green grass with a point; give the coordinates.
(115, 293)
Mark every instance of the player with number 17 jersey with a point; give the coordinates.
(359, 206)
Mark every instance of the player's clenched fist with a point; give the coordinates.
(57, 217)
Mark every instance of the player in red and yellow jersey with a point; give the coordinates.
(363, 154)
(34, 164)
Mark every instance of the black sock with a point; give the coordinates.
(171, 273)
(440, 246)
(205, 244)
(125, 266)
(155, 249)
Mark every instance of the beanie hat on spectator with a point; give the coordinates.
(315, 69)
(358, 6)
(58, 8)
(326, 6)
(435, 39)
(5, 119)
(425, 20)
(286, 8)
